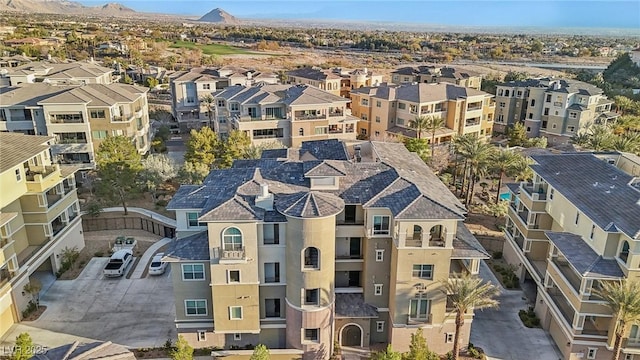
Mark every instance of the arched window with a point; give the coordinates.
(624, 252)
(311, 258)
(301, 132)
(435, 233)
(417, 232)
(232, 239)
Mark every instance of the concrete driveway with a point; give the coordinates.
(501, 333)
(130, 312)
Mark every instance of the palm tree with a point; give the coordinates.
(467, 292)
(478, 154)
(627, 143)
(460, 146)
(600, 137)
(207, 101)
(501, 162)
(623, 298)
(623, 104)
(433, 125)
(419, 124)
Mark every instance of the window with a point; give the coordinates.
(192, 220)
(234, 106)
(571, 128)
(377, 289)
(506, 92)
(377, 133)
(400, 121)
(311, 258)
(272, 308)
(271, 234)
(553, 126)
(365, 102)
(502, 104)
(378, 103)
(544, 124)
(593, 230)
(381, 225)
(402, 106)
(220, 103)
(232, 239)
(533, 102)
(18, 175)
(192, 271)
(546, 111)
(206, 86)
(423, 271)
(97, 114)
(379, 255)
(364, 117)
(312, 297)
(556, 113)
(234, 276)
(195, 307)
(99, 134)
(377, 119)
(519, 93)
(624, 252)
(272, 272)
(547, 98)
(591, 353)
(379, 326)
(528, 129)
(551, 191)
(319, 130)
(311, 335)
(301, 132)
(237, 336)
(448, 338)
(202, 335)
(573, 115)
(530, 115)
(235, 312)
(419, 308)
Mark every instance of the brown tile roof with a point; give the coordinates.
(17, 148)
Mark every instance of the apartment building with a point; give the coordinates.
(319, 244)
(38, 218)
(554, 108)
(290, 114)
(389, 109)
(78, 117)
(336, 81)
(573, 228)
(434, 74)
(76, 72)
(189, 87)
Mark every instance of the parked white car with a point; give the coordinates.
(118, 263)
(157, 266)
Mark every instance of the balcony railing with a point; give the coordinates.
(562, 304)
(539, 194)
(72, 141)
(336, 113)
(567, 272)
(472, 123)
(419, 320)
(44, 171)
(234, 254)
(310, 116)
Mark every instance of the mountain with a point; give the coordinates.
(219, 16)
(64, 7)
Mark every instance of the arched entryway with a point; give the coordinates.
(351, 335)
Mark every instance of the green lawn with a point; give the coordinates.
(210, 49)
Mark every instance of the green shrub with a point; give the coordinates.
(529, 318)
(31, 307)
(161, 202)
(98, 254)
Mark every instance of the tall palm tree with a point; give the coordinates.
(478, 154)
(467, 292)
(207, 100)
(623, 298)
(419, 124)
(502, 161)
(433, 125)
(461, 145)
(600, 137)
(627, 143)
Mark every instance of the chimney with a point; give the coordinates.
(265, 199)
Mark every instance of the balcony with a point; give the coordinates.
(419, 320)
(457, 268)
(562, 304)
(300, 115)
(539, 265)
(234, 254)
(569, 274)
(336, 113)
(334, 129)
(598, 326)
(472, 122)
(535, 195)
(53, 198)
(40, 178)
(517, 238)
(66, 119)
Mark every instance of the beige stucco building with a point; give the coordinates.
(289, 114)
(575, 226)
(38, 218)
(554, 108)
(322, 244)
(389, 110)
(436, 73)
(78, 117)
(68, 73)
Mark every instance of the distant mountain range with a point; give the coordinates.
(219, 16)
(65, 7)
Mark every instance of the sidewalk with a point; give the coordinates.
(144, 260)
(42, 337)
(153, 215)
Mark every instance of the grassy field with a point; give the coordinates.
(210, 49)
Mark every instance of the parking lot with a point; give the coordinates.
(130, 312)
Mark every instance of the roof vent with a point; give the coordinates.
(265, 199)
(595, 184)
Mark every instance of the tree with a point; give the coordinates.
(202, 147)
(419, 124)
(386, 354)
(476, 154)
(182, 350)
(158, 168)
(260, 352)
(515, 76)
(502, 161)
(24, 347)
(193, 173)
(207, 101)
(33, 288)
(466, 292)
(623, 298)
(151, 82)
(234, 146)
(433, 125)
(517, 135)
(418, 349)
(418, 146)
(119, 164)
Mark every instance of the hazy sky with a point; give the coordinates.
(549, 13)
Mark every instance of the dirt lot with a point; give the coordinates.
(98, 243)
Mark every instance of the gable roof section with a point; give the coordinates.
(582, 257)
(16, 148)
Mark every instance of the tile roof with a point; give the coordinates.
(353, 306)
(282, 94)
(420, 93)
(332, 149)
(16, 148)
(312, 74)
(98, 95)
(309, 204)
(323, 168)
(91, 351)
(466, 246)
(582, 257)
(29, 94)
(600, 190)
(568, 86)
(192, 247)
